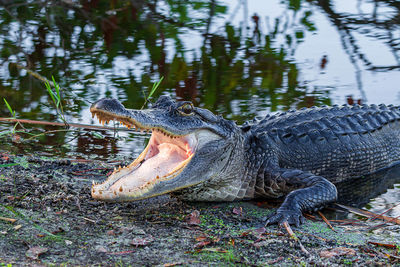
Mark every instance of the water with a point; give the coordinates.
(236, 58)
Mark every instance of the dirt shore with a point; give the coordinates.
(57, 222)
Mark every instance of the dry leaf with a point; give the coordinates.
(202, 244)
(34, 252)
(339, 251)
(194, 218)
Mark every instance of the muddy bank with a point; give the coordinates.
(57, 222)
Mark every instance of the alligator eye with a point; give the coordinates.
(186, 109)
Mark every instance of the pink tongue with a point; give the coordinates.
(168, 157)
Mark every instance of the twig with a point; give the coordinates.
(120, 252)
(89, 220)
(369, 214)
(386, 211)
(292, 235)
(383, 245)
(326, 220)
(76, 125)
(8, 219)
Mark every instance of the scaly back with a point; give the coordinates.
(335, 142)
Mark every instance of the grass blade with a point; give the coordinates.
(24, 218)
(51, 93)
(155, 86)
(9, 108)
(8, 165)
(57, 87)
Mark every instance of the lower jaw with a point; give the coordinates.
(120, 192)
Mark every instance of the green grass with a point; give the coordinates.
(13, 115)
(9, 108)
(8, 165)
(152, 91)
(56, 97)
(210, 255)
(24, 218)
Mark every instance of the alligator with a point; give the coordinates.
(298, 155)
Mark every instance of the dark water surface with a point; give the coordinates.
(237, 58)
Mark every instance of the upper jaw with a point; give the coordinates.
(108, 109)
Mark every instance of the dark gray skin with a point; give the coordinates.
(298, 154)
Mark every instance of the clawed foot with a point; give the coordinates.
(284, 215)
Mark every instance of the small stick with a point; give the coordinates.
(326, 221)
(89, 220)
(369, 214)
(76, 125)
(292, 235)
(386, 211)
(8, 219)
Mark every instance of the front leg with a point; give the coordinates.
(308, 192)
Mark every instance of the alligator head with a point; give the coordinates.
(188, 147)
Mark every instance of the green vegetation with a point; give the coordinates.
(210, 255)
(8, 165)
(9, 108)
(56, 97)
(30, 222)
(152, 91)
(13, 114)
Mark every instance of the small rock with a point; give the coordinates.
(68, 242)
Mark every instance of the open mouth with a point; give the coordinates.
(165, 156)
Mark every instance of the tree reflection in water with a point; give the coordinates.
(238, 67)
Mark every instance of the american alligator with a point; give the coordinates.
(299, 154)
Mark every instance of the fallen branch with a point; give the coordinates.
(369, 214)
(76, 125)
(386, 211)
